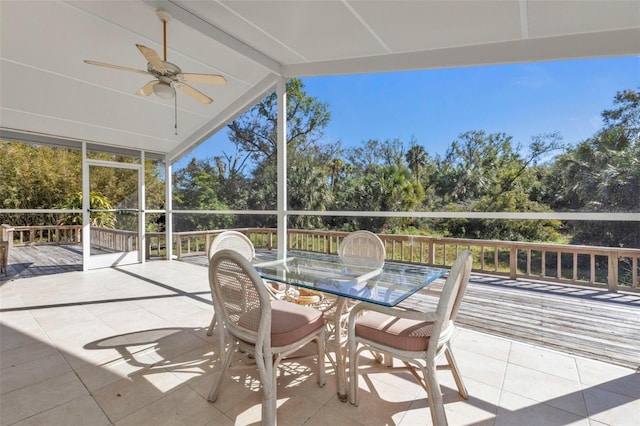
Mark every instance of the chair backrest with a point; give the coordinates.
(466, 262)
(361, 245)
(232, 240)
(240, 298)
(452, 293)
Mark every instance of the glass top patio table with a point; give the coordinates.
(385, 284)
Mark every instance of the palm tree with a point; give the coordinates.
(417, 159)
(336, 165)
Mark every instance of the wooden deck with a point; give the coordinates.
(588, 322)
(582, 321)
(37, 260)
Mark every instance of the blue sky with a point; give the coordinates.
(435, 106)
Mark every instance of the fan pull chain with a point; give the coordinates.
(175, 103)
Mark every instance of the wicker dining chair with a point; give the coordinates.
(358, 248)
(266, 329)
(232, 240)
(362, 246)
(418, 339)
(237, 241)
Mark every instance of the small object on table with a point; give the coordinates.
(303, 296)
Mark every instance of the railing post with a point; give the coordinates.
(432, 252)
(613, 272)
(513, 262)
(147, 251)
(7, 235)
(178, 247)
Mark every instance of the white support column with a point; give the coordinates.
(86, 205)
(168, 207)
(142, 216)
(282, 167)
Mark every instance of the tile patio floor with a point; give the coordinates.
(128, 346)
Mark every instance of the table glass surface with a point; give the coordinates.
(385, 284)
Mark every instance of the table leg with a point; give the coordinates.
(340, 343)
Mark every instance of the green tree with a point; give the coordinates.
(337, 167)
(417, 159)
(255, 132)
(309, 186)
(507, 230)
(487, 173)
(626, 113)
(196, 188)
(97, 201)
(480, 164)
(44, 177)
(255, 136)
(602, 174)
(376, 178)
(36, 177)
(154, 178)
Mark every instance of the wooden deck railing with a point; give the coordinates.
(101, 238)
(58, 234)
(606, 267)
(584, 265)
(113, 240)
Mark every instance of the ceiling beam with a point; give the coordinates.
(625, 42)
(179, 13)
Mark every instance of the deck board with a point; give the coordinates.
(588, 322)
(582, 321)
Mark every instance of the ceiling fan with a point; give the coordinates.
(167, 76)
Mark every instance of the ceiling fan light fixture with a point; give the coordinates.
(164, 90)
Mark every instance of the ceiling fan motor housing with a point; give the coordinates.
(170, 70)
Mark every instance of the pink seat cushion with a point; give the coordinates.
(291, 322)
(277, 286)
(399, 333)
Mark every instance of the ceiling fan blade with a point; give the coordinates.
(152, 57)
(202, 78)
(194, 93)
(118, 67)
(147, 89)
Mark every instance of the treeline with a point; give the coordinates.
(44, 177)
(479, 172)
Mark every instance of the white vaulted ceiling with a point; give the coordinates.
(46, 90)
